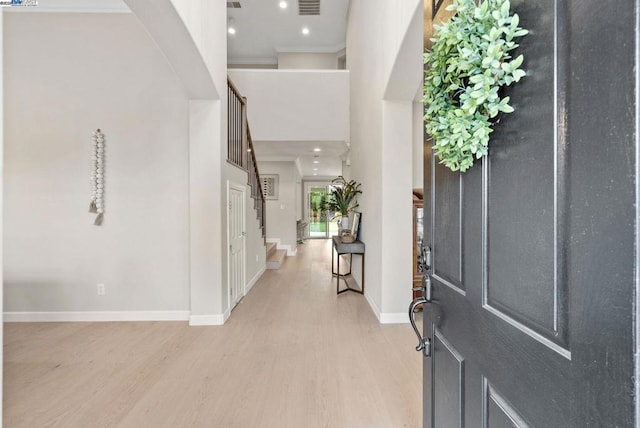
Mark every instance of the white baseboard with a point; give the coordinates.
(372, 304)
(387, 317)
(96, 316)
(290, 252)
(219, 319)
(394, 318)
(255, 279)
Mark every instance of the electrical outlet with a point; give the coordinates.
(101, 290)
(256, 257)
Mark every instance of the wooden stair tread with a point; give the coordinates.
(271, 247)
(276, 258)
(277, 255)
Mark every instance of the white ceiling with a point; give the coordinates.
(263, 29)
(329, 158)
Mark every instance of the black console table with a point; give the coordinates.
(356, 247)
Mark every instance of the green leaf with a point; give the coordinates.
(518, 74)
(516, 62)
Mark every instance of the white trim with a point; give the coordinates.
(255, 279)
(274, 241)
(299, 166)
(386, 317)
(40, 9)
(199, 320)
(394, 318)
(372, 304)
(326, 49)
(290, 252)
(256, 60)
(96, 316)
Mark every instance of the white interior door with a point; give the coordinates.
(236, 244)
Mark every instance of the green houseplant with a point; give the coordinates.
(342, 198)
(464, 71)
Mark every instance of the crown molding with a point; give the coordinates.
(257, 60)
(73, 6)
(325, 49)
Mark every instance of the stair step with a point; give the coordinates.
(271, 247)
(275, 260)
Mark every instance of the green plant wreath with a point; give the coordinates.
(464, 71)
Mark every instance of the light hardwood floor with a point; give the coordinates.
(293, 354)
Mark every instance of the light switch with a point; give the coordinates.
(282, 206)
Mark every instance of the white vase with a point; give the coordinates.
(344, 223)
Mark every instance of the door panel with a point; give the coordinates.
(447, 238)
(448, 384)
(524, 192)
(236, 245)
(498, 412)
(531, 317)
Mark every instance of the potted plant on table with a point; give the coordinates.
(342, 199)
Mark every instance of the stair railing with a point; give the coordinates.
(240, 151)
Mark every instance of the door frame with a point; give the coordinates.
(306, 185)
(241, 188)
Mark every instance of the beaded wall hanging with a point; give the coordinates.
(97, 176)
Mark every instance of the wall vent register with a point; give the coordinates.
(308, 7)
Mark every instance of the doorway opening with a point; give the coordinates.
(320, 220)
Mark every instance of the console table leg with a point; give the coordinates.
(338, 277)
(362, 273)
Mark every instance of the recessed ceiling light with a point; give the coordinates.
(231, 26)
(283, 5)
(317, 149)
(315, 169)
(316, 161)
(231, 30)
(315, 173)
(305, 31)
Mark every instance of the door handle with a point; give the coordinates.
(426, 257)
(424, 343)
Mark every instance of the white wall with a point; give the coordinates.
(364, 61)
(307, 61)
(65, 75)
(192, 36)
(206, 21)
(383, 42)
(295, 105)
(298, 195)
(1, 203)
(418, 145)
(282, 212)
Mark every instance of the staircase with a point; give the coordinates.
(275, 257)
(240, 150)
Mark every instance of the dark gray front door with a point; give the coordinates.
(533, 249)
